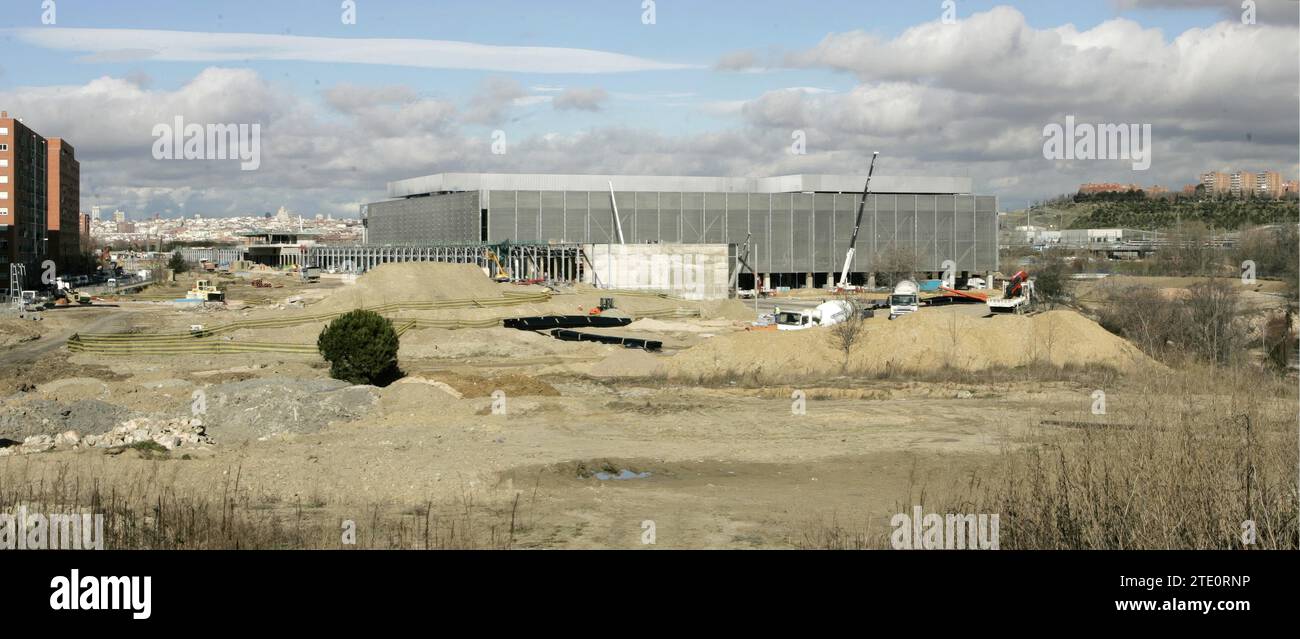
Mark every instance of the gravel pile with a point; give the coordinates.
(22, 418)
(257, 408)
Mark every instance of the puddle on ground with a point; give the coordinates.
(622, 474)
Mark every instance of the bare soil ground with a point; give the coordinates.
(714, 460)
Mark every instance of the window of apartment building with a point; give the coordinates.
(4, 195)
(4, 130)
(4, 164)
(4, 179)
(4, 211)
(4, 147)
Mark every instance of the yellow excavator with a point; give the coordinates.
(501, 275)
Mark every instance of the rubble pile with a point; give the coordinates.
(170, 434)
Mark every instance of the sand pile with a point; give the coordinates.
(412, 282)
(729, 309)
(927, 341)
(627, 362)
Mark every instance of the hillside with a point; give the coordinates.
(1156, 213)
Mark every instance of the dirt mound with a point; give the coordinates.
(627, 362)
(729, 309)
(21, 417)
(242, 411)
(412, 282)
(16, 331)
(927, 341)
(470, 386)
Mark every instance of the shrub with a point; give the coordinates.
(1049, 281)
(1202, 322)
(361, 347)
(177, 263)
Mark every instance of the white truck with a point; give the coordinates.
(1016, 296)
(824, 314)
(905, 299)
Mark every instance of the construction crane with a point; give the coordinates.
(857, 224)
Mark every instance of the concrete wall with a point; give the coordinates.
(692, 271)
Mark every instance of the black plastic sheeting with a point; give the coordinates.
(565, 321)
(626, 342)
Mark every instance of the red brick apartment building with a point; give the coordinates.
(63, 172)
(40, 198)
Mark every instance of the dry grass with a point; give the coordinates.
(1198, 452)
(1037, 371)
(1194, 467)
(143, 512)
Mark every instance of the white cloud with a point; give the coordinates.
(119, 45)
(1271, 11)
(968, 99)
(581, 99)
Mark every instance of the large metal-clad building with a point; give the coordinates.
(797, 226)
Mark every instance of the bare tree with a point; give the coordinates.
(897, 263)
(847, 333)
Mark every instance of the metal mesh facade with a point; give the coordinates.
(442, 219)
(790, 232)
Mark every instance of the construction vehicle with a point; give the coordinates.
(310, 273)
(206, 291)
(857, 224)
(502, 275)
(1017, 295)
(905, 299)
(65, 292)
(824, 314)
(31, 302)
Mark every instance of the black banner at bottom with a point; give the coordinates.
(308, 588)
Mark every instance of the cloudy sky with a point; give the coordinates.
(705, 88)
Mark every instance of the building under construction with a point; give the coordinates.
(795, 229)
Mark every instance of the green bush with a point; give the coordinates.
(1049, 280)
(361, 347)
(177, 264)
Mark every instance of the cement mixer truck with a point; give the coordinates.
(824, 314)
(905, 299)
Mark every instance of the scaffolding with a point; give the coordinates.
(17, 276)
(556, 262)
